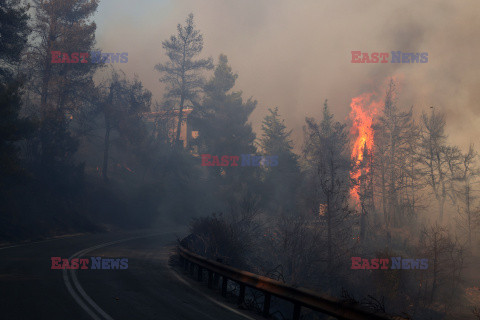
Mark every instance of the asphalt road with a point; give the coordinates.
(148, 289)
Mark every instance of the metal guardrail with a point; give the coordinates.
(300, 297)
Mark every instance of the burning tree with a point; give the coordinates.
(384, 158)
(364, 109)
(365, 189)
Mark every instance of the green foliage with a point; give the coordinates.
(222, 118)
(128, 102)
(181, 72)
(12, 129)
(281, 181)
(275, 138)
(327, 163)
(222, 123)
(223, 80)
(13, 34)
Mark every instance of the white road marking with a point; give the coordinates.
(79, 287)
(101, 312)
(76, 297)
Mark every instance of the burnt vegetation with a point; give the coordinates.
(78, 155)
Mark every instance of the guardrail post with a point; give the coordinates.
(266, 304)
(210, 279)
(199, 273)
(191, 268)
(241, 296)
(215, 280)
(296, 311)
(224, 286)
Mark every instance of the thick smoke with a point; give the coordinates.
(296, 54)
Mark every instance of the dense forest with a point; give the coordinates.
(78, 154)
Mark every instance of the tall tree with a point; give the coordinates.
(467, 194)
(182, 72)
(64, 27)
(224, 111)
(437, 158)
(282, 180)
(393, 133)
(123, 105)
(13, 39)
(326, 153)
(365, 190)
(59, 90)
(222, 123)
(14, 33)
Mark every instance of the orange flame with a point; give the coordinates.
(363, 109)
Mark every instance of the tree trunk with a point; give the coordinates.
(362, 223)
(46, 77)
(441, 205)
(179, 124)
(182, 100)
(363, 204)
(105, 154)
(108, 128)
(329, 243)
(330, 211)
(469, 214)
(44, 114)
(384, 200)
(435, 271)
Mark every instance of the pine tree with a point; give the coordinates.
(222, 119)
(394, 133)
(222, 123)
(13, 35)
(59, 91)
(282, 180)
(181, 73)
(437, 158)
(328, 167)
(122, 107)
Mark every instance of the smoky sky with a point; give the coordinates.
(295, 54)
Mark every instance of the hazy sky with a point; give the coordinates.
(296, 54)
